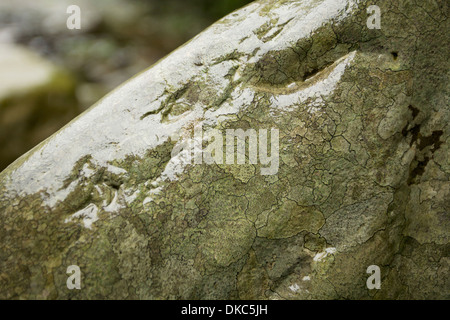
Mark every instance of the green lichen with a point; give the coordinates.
(363, 180)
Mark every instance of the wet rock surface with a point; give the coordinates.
(363, 169)
(117, 39)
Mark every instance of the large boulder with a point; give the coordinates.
(362, 180)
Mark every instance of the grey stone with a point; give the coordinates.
(363, 176)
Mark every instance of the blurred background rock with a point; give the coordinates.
(49, 74)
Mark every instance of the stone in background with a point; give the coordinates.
(36, 99)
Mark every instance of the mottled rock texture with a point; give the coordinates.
(363, 176)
